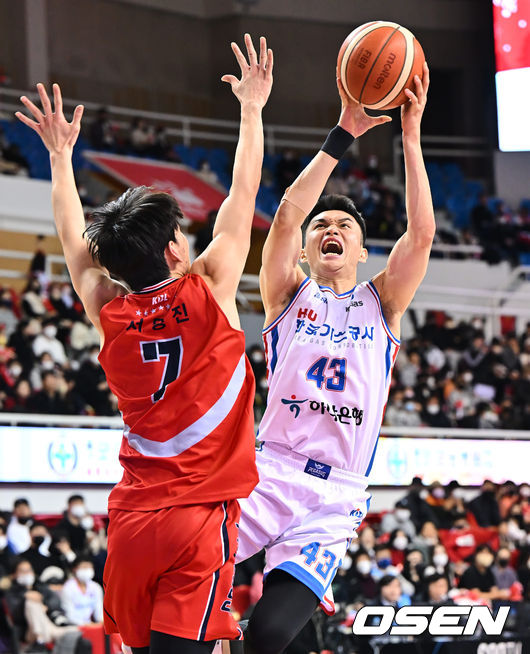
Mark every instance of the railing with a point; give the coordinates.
(185, 129)
(51, 259)
(116, 422)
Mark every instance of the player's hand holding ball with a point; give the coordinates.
(412, 111)
(353, 118)
(255, 84)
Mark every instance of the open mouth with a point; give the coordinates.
(331, 246)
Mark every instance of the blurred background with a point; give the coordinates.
(450, 511)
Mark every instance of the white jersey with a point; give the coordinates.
(329, 360)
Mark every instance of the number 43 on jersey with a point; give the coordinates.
(328, 372)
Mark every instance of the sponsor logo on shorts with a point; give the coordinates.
(417, 620)
(343, 414)
(317, 469)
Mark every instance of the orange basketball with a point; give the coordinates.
(377, 62)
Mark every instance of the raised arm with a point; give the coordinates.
(408, 260)
(91, 282)
(223, 261)
(280, 274)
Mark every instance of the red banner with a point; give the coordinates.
(195, 196)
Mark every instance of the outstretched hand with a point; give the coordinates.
(256, 76)
(353, 118)
(56, 132)
(412, 111)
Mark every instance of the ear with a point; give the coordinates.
(303, 256)
(171, 251)
(363, 256)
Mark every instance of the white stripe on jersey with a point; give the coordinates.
(329, 361)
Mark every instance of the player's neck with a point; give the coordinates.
(340, 284)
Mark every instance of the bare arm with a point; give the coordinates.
(223, 261)
(408, 260)
(91, 282)
(280, 274)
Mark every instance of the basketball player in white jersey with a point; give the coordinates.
(331, 343)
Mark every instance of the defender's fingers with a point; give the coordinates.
(262, 52)
(45, 100)
(240, 57)
(270, 62)
(57, 99)
(229, 79)
(27, 121)
(252, 56)
(411, 96)
(37, 113)
(78, 114)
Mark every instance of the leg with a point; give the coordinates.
(284, 608)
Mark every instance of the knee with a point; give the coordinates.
(270, 637)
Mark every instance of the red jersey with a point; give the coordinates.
(185, 390)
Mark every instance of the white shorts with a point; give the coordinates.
(303, 513)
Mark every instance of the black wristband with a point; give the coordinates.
(337, 142)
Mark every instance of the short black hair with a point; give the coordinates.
(82, 558)
(336, 202)
(21, 501)
(129, 235)
(75, 498)
(385, 580)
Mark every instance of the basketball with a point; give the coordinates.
(377, 62)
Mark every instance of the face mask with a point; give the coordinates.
(364, 567)
(485, 560)
(15, 370)
(433, 409)
(440, 560)
(347, 563)
(47, 365)
(94, 359)
(50, 331)
(438, 493)
(3, 542)
(410, 406)
(459, 494)
(382, 564)
(400, 542)
(44, 548)
(26, 580)
(78, 510)
(87, 522)
(467, 377)
(402, 514)
(38, 540)
(85, 574)
(24, 520)
(524, 491)
(263, 384)
(257, 357)
(503, 563)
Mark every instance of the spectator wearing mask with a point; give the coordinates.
(399, 518)
(485, 507)
(81, 597)
(18, 535)
(366, 541)
(32, 302)
(399, 542)
(92, 384)
(433, 416)
(391, 593)
(505, 575)
(50, 399)
(35, 609)
(19, 402)
(414, 569)
(101, 132)
(363, 587)
(420, 511)
(45, 364)
(47, 342)
(8, 316)
(38, 553)
(76, 522)
(479, 576)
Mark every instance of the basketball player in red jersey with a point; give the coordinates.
(174, 355)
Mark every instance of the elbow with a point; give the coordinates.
(423, 237)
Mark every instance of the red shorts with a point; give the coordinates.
(171, 570)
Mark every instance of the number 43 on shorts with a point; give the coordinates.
(325, 560)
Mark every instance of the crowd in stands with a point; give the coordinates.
(447, 375)
(433, 547)
(465, 215)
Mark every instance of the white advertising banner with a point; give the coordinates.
(54, 455)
